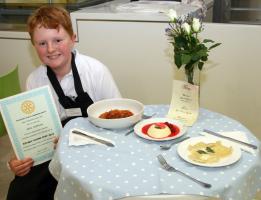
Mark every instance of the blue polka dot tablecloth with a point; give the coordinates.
(131, 167)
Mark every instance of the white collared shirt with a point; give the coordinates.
(96, 80)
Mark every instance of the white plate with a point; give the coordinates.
(138, 128)
(234, 157)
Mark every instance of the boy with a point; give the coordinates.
(76, 81)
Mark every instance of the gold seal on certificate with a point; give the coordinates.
(184, 103)
(32, 121)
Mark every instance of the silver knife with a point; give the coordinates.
(231, 139)
(94, 138)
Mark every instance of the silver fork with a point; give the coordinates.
(143, 117)
(168, 146)
(169, 168)
(148, 116)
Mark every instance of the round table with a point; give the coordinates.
(131, 167)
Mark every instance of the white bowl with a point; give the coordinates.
(99, 107)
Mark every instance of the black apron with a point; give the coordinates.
(82, 101)
(38, 184)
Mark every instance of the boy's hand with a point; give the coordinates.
(55, 141)
(21, 167)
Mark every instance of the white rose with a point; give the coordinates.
(186, 27)
(196, 25)
(172, 14)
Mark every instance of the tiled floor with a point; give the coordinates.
(5, 175)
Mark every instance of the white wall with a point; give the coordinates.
(17, 50)
(135, 53)
(140, 58)
(231, 85)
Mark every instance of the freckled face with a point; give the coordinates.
(54, 47)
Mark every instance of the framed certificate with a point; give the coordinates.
(32, 121)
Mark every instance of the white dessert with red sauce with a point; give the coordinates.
(159, 130)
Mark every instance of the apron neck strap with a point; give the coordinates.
(76, 78)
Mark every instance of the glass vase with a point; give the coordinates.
(193, 76)
(195, 80)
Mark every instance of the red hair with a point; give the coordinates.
(51, 17)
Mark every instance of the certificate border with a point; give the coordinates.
(45, 91)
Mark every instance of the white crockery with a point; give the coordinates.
(184, 152)
(138, 128)
(99, 107)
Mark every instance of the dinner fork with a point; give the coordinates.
(169, 168)
(148, 116)
(167, 147)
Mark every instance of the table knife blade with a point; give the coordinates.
(231, 139)
(94, 138)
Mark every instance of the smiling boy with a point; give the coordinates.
(76, 81)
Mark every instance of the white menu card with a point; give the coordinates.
(184, 103)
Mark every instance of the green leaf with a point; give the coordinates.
(185, 58)
(201, 46)
(213, 46)
(202, 53)
(205, 58)
(184, 52)
(195, 56)
(194, 40)
(180, 42)
(201, 152)
(200, 65)
(177, 59)
(210, 150)
(189, 67)
(208, 40)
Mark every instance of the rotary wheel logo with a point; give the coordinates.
(28, 107)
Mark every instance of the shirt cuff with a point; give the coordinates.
(8, 165)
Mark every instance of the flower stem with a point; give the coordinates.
(190, 74)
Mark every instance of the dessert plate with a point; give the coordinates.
(184, 152)
(178, 129)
